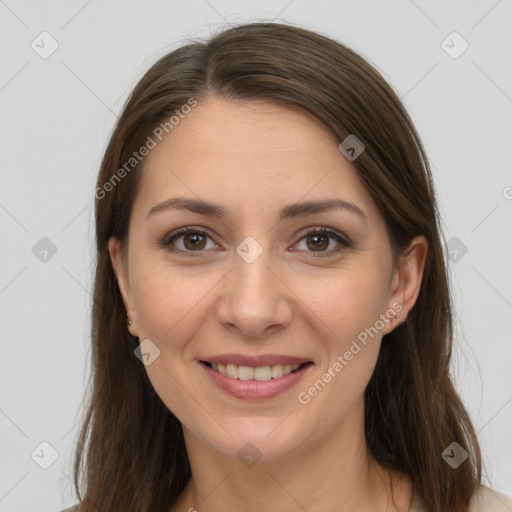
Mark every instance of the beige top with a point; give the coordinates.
(486, 500)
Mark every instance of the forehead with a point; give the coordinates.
(268, 124)
(252, 153)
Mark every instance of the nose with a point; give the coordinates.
(255, 300)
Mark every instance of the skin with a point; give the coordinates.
(253, 159)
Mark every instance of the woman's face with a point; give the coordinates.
(258, 289)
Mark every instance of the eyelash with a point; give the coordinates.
(342, 240)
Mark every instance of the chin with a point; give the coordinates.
(255, 438)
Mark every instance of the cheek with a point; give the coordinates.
(167, 301)
(348, 307)
(343, 302)
(168, 308)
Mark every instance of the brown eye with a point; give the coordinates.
(318, 240)
(194, 240)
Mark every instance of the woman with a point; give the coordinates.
(272, 324)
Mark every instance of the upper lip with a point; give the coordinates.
(260, 360)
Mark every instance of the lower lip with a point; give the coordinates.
(255, 389)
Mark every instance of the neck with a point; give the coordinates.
(335, 474)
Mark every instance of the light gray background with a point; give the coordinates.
(55, 119)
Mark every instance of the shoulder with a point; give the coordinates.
(74, 508)
(490, 500)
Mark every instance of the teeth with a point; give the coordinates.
(263, 373)
(245, 373)
(277, 371)
(260, 373)
(231, 371)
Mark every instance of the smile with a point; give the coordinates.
(259, 373)
(255, 382)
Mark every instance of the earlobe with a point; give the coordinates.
(406, 282)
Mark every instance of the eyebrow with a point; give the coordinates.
(287, 212)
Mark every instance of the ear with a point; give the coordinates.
(120, 266)
(406, 281)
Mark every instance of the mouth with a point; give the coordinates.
(255, 382)
(258, 373)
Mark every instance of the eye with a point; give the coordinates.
(318, 238)
(195, 241)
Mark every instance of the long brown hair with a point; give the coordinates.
(130, 454)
